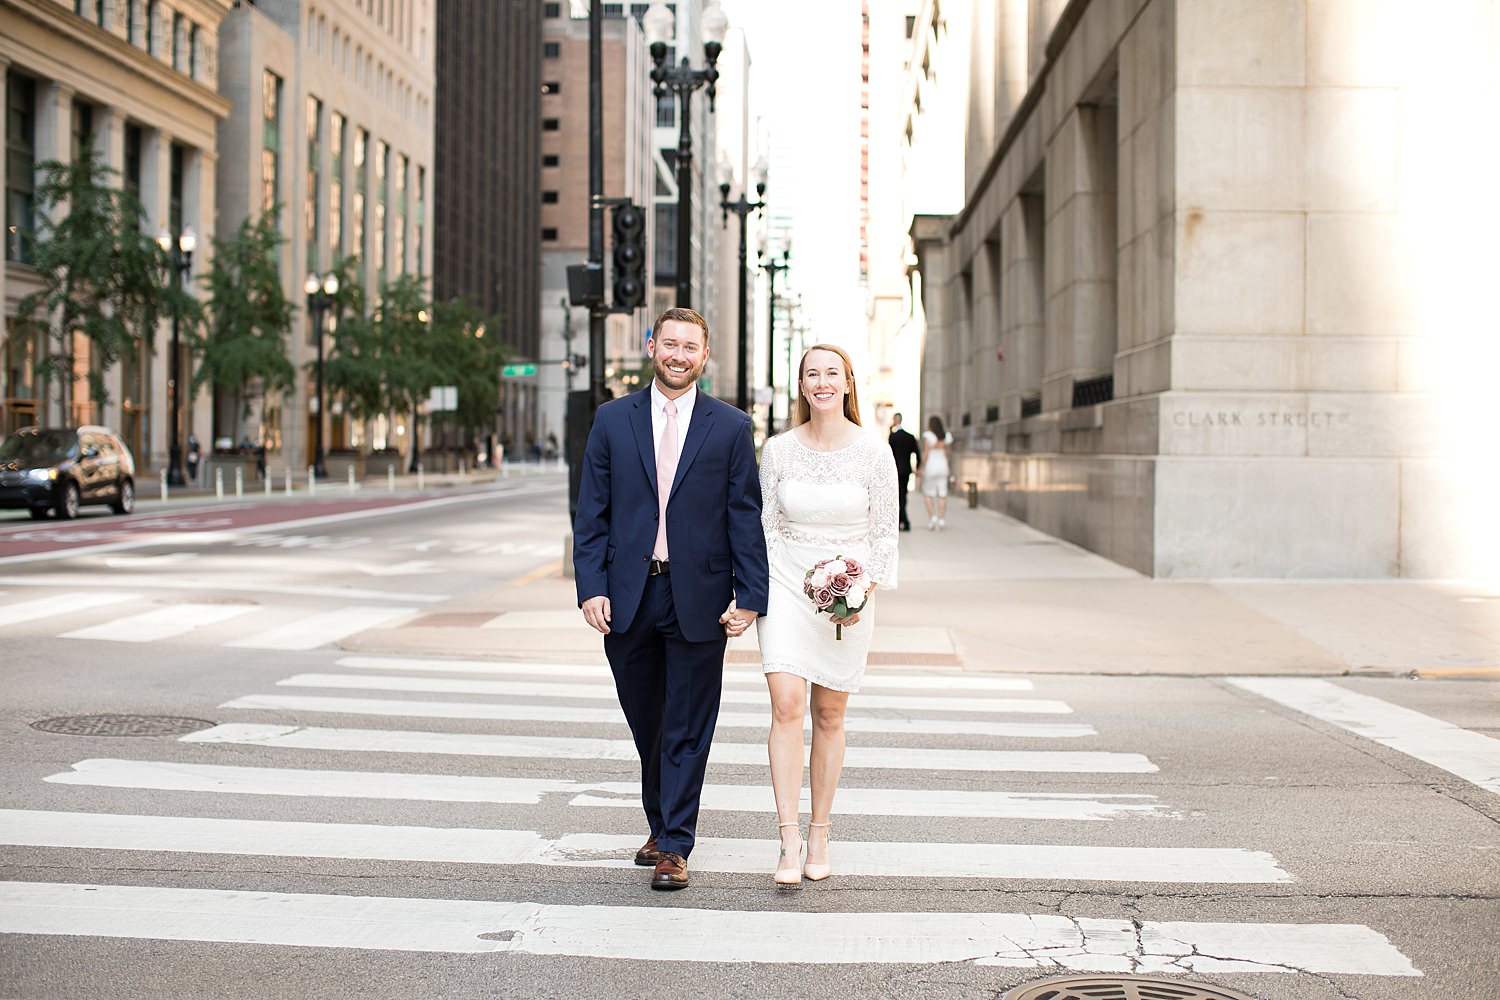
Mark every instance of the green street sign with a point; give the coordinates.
(519, 370)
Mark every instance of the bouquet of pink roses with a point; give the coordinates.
(838, 587)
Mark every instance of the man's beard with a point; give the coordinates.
(671, 379)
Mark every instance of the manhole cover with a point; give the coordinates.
(122, 725)
(1120, 987)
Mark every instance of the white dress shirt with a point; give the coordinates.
(659, 416)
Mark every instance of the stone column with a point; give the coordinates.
(1022, 303)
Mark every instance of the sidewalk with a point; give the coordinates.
(991, 594)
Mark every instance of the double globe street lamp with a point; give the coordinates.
(742, 207)
(660, 27)
(180, 256)
(321, 294)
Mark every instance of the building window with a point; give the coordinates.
(179, 43)
(132, 166)
(552, 87)
(549, 159)
(666, 110)
(398, 227)
(549, 234)
(552, 10)
(130, 20)
(177, 161)
(613, 10)
(549, 125)
(419, 221)
(195, 43)
(337, 125)
(83, 128)
(20, 165)
(270, 153)
(382, 200)
(551, 50)
(361, 155)
(549, 197)
(666, 250)
(151, 40)
(310, 202)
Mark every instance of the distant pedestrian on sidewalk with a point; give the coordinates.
(935, 472)
(904, 449)
(670, 561)
(830, 495)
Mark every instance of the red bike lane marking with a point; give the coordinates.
(62, 537)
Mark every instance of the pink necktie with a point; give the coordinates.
(666, 471)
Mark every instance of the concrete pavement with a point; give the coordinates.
(989, 593)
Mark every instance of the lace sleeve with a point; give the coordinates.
(771, 516)
(884, 517)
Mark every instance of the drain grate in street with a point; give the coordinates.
(1120, 987)
(122, 725)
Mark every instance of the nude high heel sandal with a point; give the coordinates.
(787, 874)
(815, 872)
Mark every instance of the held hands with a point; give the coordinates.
(596, 613)
(855, 616)
(735, 621)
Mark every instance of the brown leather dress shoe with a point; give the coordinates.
(671, 872)
(648, 856)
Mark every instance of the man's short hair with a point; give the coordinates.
(681, 314)
(896, 418)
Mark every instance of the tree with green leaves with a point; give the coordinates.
(465, 344)
(244, 342)
(103, 276)
(354, 366)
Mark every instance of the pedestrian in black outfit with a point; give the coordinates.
(904, 448)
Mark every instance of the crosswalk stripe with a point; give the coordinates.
(1469, 755)
(273, 838)
(576, 748)
(322, 629)
(692, 934)
(948, 681)
(57, 604)
(541, 689)
(566, 713)
(241, 780)
(161, 623)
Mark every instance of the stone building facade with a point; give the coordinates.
(1179, 318)
(138, 80)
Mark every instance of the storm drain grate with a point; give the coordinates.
(122, 725)
(1119, 987)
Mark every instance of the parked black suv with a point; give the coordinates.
(43, 468)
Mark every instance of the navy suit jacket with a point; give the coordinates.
(717, 548)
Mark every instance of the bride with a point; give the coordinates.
(828, 490)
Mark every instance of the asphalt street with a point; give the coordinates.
(368, 809)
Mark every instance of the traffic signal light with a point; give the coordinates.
(629, 257)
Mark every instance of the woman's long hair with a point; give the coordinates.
(935, 424)
(851, 399)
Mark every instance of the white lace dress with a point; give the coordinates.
(816, 505)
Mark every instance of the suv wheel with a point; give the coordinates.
(124, 501)
(67, 501)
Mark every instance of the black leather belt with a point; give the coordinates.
(659, 567)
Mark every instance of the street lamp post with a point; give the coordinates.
(771, 267)
(320, 295)
(181, 256)
(742, 207)
(682, 80)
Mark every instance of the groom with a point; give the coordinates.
(669, 558)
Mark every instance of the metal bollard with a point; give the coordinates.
(239, 482)
(421, 478)
(268, 478)
(312, 481)
(164, 485)
(463, 467)
(351, 479)
(219, 484)
(289, 480)
(973, 489)
(390, 479)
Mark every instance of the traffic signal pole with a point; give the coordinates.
(597, 309)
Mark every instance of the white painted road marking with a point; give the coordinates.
(322, 629)
(57, 604)
(1471, 756)
(692, 934)
(577, 748)
(237, 780)
(947, 681)
(162, 623)
(606, 692)
(111, 831)
(613, 716)
(227, 583)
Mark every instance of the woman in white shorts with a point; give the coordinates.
(933, 472)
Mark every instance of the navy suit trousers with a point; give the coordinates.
(669, 689)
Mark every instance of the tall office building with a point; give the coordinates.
(332, 121)
(136, 80)
(488, 227)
